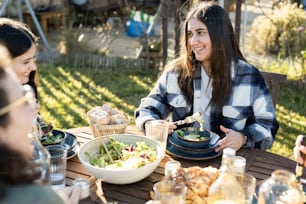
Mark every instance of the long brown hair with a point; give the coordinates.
(225, 51)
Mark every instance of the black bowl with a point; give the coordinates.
(53, 137)
(192, 151)
(186, 138)
(70, 141)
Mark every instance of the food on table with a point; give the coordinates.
(110, 110)
(198, 180)
(194, 136)
(98, 115)
(118, 155)
(106, 115)
(51, 138)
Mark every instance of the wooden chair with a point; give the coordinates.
(274, 80)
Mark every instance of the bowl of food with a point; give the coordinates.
(121, 158)
(192, 138)
(53, 137)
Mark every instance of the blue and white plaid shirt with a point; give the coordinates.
(249, 110)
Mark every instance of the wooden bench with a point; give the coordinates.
(274, 80)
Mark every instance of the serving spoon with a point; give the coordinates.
(189, 119)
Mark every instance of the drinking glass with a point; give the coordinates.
(157, 130)
(58, 165)
(248, 183)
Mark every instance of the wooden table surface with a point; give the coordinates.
(259, 163)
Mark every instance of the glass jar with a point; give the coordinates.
(41, 157)
(226, 189)
(170, 168)
(280, 188)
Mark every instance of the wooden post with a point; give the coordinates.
(238, 19)
(177, 30)
(164, 31)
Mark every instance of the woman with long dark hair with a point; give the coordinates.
(21, 43)
(211, 76)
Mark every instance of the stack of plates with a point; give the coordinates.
(178, 147)
(71, 144)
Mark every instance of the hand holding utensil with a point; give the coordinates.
(189, 119)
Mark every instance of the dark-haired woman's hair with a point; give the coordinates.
(225, 51)
(16, 36)
(18, 39)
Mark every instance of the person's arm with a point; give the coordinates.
(261, 129)
(154, 106)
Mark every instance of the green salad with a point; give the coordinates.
(51, 138)
(118, 155)
(199, 136)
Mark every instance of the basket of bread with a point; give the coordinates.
(105, 120)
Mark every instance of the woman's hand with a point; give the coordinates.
(299, 147)
(233, 139)
(171, 127)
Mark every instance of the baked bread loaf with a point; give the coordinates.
(98, 116)
(106, 115)
(119, 118)
(110, 110)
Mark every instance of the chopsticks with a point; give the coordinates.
(115, 148)
(107, 152)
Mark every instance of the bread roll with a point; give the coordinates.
(98, 116)
(110, 110)
(118, 119)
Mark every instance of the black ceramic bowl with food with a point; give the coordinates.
(53, 137)
(192, 138)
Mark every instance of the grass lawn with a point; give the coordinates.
(66, 94)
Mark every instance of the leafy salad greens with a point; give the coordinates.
(118, 155)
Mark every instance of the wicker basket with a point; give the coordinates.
(101, 130)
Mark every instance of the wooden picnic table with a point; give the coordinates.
(259, 163)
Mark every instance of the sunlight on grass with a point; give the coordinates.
(67, 94)
(140, 82)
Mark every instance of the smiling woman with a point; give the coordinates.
(21, 44)
(212, 76)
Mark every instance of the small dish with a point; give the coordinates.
(192, 144)
(53, 137)
(211, 146)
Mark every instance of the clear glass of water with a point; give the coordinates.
(58, 165)
(157, 130)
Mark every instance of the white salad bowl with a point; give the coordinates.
(119, 176)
